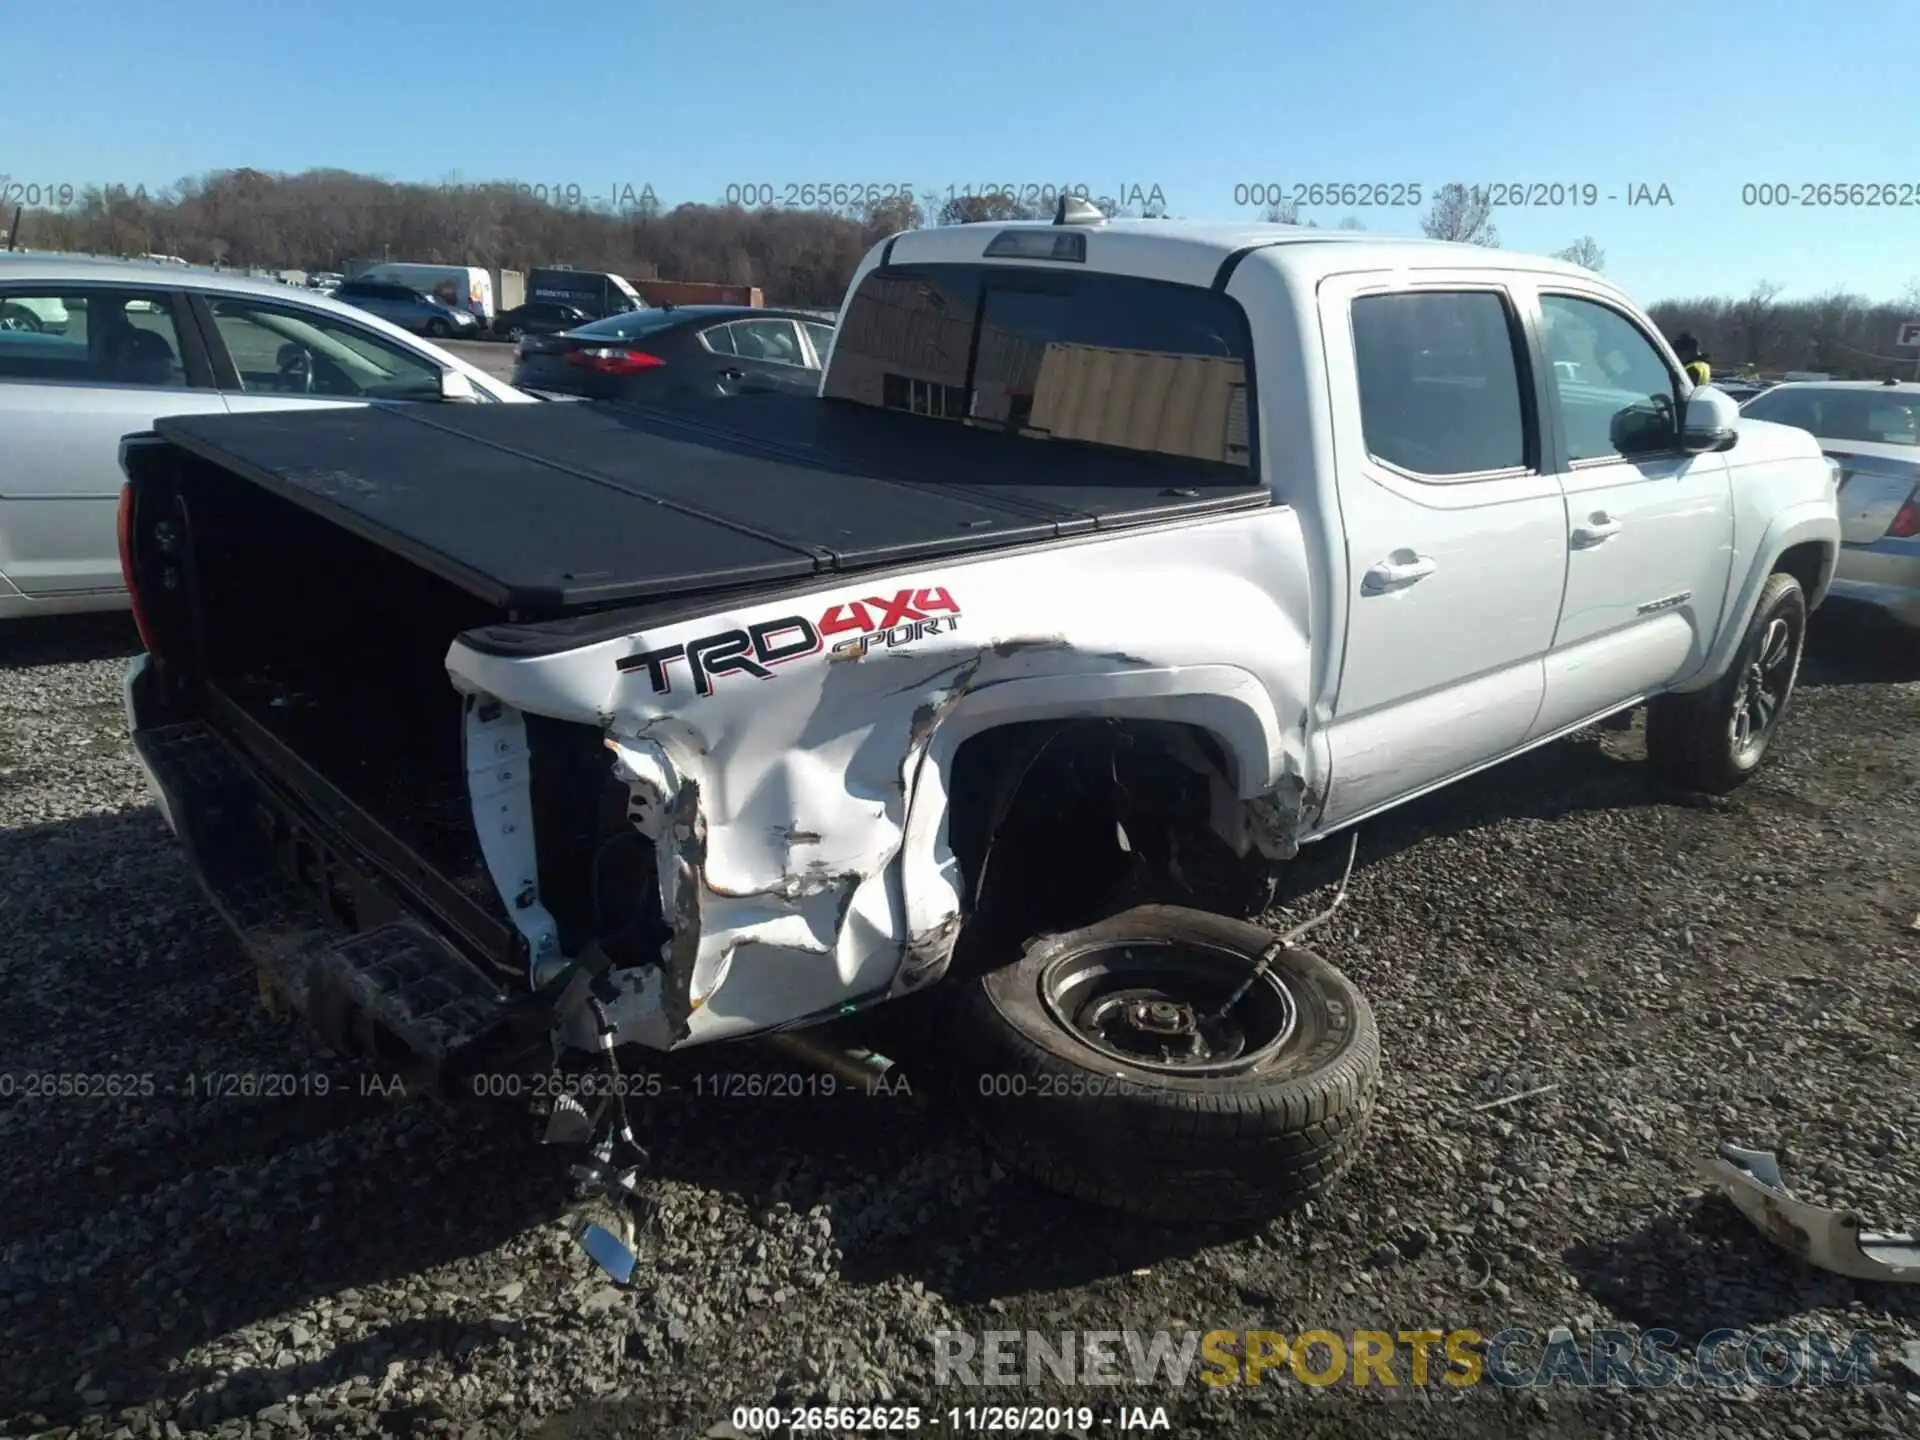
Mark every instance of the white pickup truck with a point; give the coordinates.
(1114, 563)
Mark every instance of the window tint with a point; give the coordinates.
(1107, 360)
(719, 339)
(95, 337)
(822, 337)
(631, 324)
(299, 352)
(1439, 382)
(1613, 391)
(1882, 417)
(774, 341)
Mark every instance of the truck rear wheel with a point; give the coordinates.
(1714, 739)
(1099, 1066)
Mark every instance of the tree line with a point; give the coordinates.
(322, 219)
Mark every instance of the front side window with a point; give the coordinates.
(1614, 393)
(822, 337)
(1094, 359)
(1439, 375)
(89, 336)
(279, 351)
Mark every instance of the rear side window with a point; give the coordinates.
(90, 337)
(1107, 360)
(1439, 376)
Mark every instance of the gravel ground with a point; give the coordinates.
(176, 1263)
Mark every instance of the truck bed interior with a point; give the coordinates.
(334, 648)
(320, 656)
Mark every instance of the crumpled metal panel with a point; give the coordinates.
(788, 758)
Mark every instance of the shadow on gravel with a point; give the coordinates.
(1853, 645)
(1711, 1269)
(1579, 774)
(68, 639)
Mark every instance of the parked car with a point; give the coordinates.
(460, 287)
(408, 308)
(1115, 561)
(1872, 428)
(679, 353)
(537, 317)
(44, 313)
(146, 340)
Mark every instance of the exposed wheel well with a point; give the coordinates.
(1806, 563)
(1037, 814)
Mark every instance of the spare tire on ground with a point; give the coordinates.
(1099, 1065)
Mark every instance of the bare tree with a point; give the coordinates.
(1287, 213)
(1351, 222)
(1755, 319)
(1462, 215)
(1584, 251)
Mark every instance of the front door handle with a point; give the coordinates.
(1597, 530)
(1396, 574)
(733, 372)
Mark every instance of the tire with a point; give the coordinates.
(515, 334)
(1239, 1144)
(1693, 739)
(18, 317)
(437, 330)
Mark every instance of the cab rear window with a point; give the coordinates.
(1084, 358)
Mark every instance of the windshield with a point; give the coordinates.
(1097, 359)
(1878, 417)
(631, 324)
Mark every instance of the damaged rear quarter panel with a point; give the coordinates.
(784, 755)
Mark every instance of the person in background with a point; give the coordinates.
(1688, 349)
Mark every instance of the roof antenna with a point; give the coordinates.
(1078, 210)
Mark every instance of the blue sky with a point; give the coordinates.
(1195, 98)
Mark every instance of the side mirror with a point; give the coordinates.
(1712, 421)
(457, 387)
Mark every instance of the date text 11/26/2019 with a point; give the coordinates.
(1495, 195)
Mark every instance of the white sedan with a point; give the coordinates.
(141, 341)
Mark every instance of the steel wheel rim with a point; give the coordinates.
(1152, 1004)
(1763, 690)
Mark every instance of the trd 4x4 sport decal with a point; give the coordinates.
(909, 616)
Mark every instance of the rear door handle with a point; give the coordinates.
(1597, 530)
(1396, 574)
(733, 373)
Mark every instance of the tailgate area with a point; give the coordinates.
(321, 928)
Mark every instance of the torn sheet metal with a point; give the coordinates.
(499, 789)
(797, 806)
(1830, 1239)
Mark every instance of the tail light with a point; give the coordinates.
(605, 360)
(1906, 524)
(127, 567)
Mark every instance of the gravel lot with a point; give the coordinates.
(175, 1263)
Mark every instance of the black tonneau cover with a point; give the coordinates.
(541, 509)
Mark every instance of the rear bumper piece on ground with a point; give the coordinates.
(251, 848)
(1884, 574)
